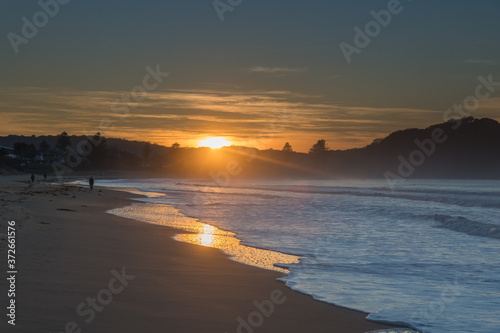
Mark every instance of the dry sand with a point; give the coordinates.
(67, 247)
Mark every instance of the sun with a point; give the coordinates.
(215, 142)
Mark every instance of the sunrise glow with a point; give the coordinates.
(215, 142)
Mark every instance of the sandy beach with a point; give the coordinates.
(83, 270)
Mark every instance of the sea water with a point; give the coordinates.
(425, 254)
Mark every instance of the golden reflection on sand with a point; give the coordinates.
(245, 254)
(207, 238)
(205, 235)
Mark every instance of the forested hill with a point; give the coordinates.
(466, 148)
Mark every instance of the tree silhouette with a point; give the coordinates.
(146, 151)
(319, 147)
(44, 147)
(287, 148)
(63, 140)
(32, 151)
(21, 149)
(25, 151)
(100, 151)
(176, 145)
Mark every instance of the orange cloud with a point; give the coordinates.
(260, 119)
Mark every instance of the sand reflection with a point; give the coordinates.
(205, 235)
(206, 238)
(245, 254)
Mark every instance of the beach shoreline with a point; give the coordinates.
(70, 249)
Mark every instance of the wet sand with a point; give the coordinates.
(80, 268)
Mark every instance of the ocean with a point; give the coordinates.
(426, 254)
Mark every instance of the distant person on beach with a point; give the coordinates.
(44, 176)
(32, 178)
(91, 183)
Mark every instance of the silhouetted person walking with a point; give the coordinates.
(44, 176)
(32, 178)
(91, 183)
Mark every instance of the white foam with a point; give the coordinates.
(407, 256)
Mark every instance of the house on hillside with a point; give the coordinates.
(9, 152)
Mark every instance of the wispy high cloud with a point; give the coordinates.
(189, 115)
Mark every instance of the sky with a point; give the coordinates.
(260, 72)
